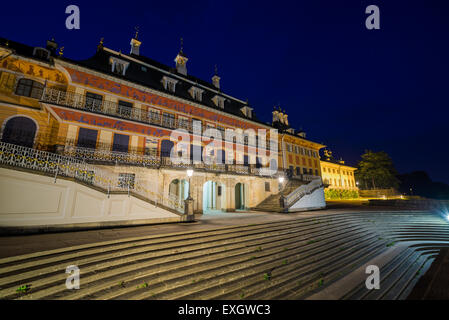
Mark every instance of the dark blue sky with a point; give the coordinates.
(347, 87)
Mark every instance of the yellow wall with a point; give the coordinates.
(300, 153)
(338, 176)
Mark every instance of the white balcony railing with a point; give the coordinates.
(59, 165)
(302, 190)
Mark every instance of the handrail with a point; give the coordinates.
(301, 191)
(54, 164)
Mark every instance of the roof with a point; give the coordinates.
(336, 162)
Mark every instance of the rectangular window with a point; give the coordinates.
(151, 147)
(168, 120)
(120, 143)
(124, 108)
(93, 101)
(298, 171)
(87, 138)
(154, 116)
(183, 123)
(267, 186)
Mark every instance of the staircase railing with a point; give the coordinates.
(301, 191)
(59, 165)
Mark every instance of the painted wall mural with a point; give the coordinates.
(35, 70)
(145, 97)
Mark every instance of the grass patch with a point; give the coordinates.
(143, 285)
(24, 289)
(267, 276)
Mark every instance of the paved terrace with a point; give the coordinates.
(243, 255)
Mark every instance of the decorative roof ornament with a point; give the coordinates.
(61, 51)
(181, 50)
(100, 45)
(216, 78)
(135, 44)
(181, 60)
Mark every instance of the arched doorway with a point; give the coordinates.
(20, 131)
(214, 198)
(178, 190)
(240, 196)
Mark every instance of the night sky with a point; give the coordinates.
(347, 87)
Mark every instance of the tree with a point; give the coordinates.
(376, 171)
(419, 183)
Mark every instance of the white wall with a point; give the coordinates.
(28, 199)
(315, 200)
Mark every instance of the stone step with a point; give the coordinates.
(299, 257)
(202, 269)
(59, 276)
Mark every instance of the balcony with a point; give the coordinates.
(109, 108)
(81, 102)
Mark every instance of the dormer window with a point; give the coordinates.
(247, 111)
(219, 101)
(41, 53)
(196, 93)
(169, 84)
(118, 66)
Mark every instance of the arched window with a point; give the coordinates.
(20, 131)
(29, 88)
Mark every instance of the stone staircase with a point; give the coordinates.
(292, 259)
(272, 203)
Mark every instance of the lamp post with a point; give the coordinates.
(281, 181)
(189, 174)
(282, 198)
(188, 203)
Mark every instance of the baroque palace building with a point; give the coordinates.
(117, 114)
(336, 174)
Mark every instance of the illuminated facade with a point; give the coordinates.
(119, 111)
(336, 174)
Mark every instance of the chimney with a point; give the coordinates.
(181, 61)
(135, 44)
(216, 79)
(52, 45)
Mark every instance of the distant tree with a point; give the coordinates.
(376, 171)
(419, 183)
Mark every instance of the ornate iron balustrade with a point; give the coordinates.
(301, 191)
(104, 155)
(59, 165)
(79, 101)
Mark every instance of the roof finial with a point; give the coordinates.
(137, 32)
(216, 70)
(182, 45)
